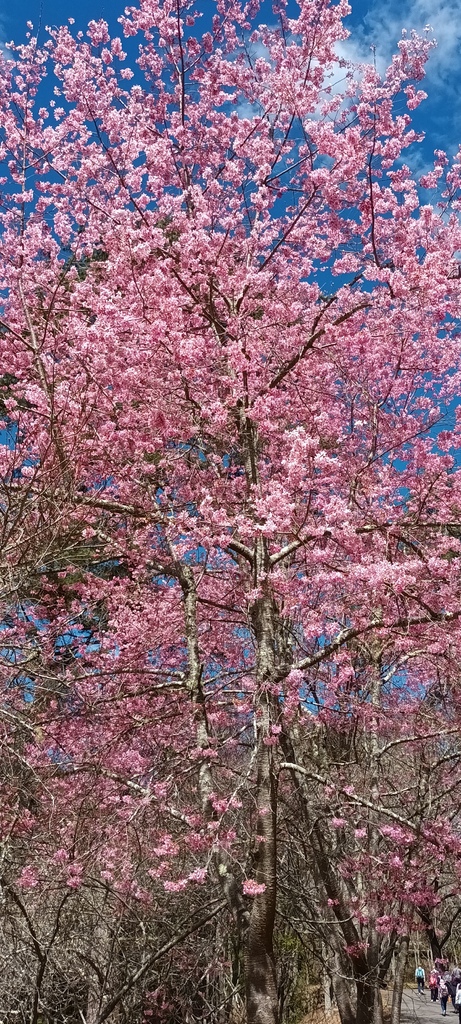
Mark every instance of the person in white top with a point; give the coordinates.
(458, 1001)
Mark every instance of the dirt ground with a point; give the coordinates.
(321, 1017)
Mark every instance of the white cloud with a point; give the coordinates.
(382, 27)
(4, 51)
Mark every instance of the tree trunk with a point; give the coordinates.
(436, 948)
(260, 974)
(378, 1017)
(327, 981)
(342, 999)
(100, 955)
(399, 979)
(365, 1002)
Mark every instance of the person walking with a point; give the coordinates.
(443, 995)
(455, 980)
(458, 1001)
(420, 978)
(434, 981)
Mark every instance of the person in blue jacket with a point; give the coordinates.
(420, 978)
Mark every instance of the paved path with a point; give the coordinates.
(417, 1009)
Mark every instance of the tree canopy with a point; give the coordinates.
(231, 518)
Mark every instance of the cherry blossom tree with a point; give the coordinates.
(373, 837)
(230, 338)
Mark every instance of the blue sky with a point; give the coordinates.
(379, 23)
(373, 22)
